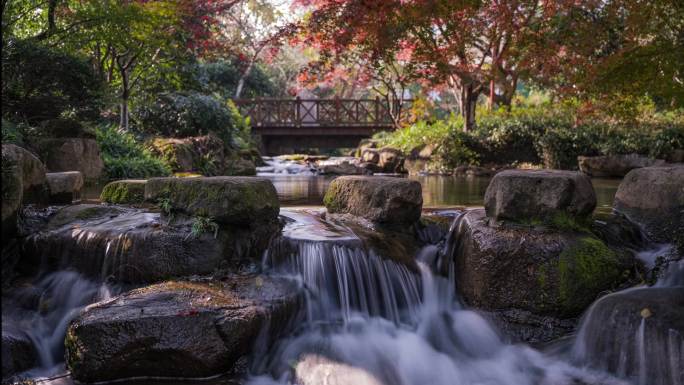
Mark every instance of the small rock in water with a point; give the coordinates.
(645, 313)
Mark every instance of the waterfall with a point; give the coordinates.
(374, 321)
(43, 311)
(641, 344)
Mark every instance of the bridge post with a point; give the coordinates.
(298, 118)
(377, 110)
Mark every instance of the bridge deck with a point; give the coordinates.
(312, 116)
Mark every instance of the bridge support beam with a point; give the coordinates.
(290, 144)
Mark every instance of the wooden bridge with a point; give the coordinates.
(292, 125)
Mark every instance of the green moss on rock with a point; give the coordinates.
(584, 269)
(124, 192)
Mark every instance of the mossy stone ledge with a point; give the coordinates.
(226, 199)
(127, 191)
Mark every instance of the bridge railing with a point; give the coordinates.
(271, 112)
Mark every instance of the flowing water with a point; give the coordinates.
(373, 321)
(42, 310)
(370, 319)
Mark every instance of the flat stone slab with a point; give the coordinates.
(127, 191)
(539, 194)
(178, 328)
(65, 187)
(385, 200)
(227, 199)
(654, 198)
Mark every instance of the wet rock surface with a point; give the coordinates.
(178, 329)
(133, 245)
(18, 353)
(521, 326)
(65, 187)
(539, 194)
(637, 334)
(654, 198)
(384, 200)
(127, 192)
(614, 165)
(544, 271)
(229, 200)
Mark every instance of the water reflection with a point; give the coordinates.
(438, 191)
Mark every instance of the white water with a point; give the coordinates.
(372, 321)
(280, 166)
(43, 310)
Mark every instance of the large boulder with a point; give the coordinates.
(32, 172)
(384, 200)
(179, 154)
(637, 333)
(391, 160)
(654, 198)
(12, 191)
(239, 167)
(614, 165)
(127, 191)
(370, 155)
(72, 154)
(18, 353)
(524, 195)
(541, 270)
(134, 245)
(65, 187)
(227, 199)
(178, 329)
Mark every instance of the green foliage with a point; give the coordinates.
(40, 83)
(124, 157)
(11, 133)
(221, 77)
(540, 134)
(188, 114)
(203, 224)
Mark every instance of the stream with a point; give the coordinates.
(371, 320)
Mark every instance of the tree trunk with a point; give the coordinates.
(241, 82)
(468, 102)
(125, 93)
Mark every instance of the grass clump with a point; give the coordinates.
(124, 157)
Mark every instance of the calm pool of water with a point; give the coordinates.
(438, 191)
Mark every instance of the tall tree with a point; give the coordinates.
(471, 46)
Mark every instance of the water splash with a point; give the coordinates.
(43, 311)
(374, 321)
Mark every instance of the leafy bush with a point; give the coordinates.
(124, 157)
(40, 83)
(221, 77)
(11, 132)
(192, 114)
(666, 141)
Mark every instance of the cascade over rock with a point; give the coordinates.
(637, 334)
(179, 328)
(132, 245)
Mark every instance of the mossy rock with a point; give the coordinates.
(585, 268)
(539, 269)
(129, 191)
(225, 199)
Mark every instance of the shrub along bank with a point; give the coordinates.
(538, 135)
